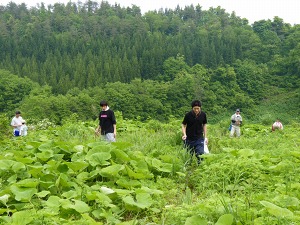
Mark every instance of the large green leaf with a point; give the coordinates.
(122, 145)
(77, 166)
(163, 167)
(79, 148)
(71, 194)
(46, 146)
(45, 155)
(121, 155)
(135, 175)
(11, 165)
(32, 144)
(25, 159)
(99, 158)
(62, 168)
(195, 220)
(226, 219)
(128, 184)
(28, 183)
(99, 197)
(81, 206)
(43, 194)
(143, 201)
(111, 171)
(35, 170)
(22, 217)
(287, 201)
(276, 210)
(53, 204)
(149, 191)
(102, 146)
(23, 194)
(89, 220)
(246, 153)
(4, 198)
(63, 181)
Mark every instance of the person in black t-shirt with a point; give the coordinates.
(194, 130)
(107, 123)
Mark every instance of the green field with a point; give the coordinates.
(66, 175)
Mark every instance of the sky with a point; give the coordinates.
(253, 10)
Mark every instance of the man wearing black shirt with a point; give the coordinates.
(107, 123)
(194, 130)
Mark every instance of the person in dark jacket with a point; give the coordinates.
(194, 130)
(107, 123)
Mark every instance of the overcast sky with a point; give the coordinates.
(253, 10)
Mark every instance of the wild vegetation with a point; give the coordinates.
(65, 175)
(58, 61)
(68, 57)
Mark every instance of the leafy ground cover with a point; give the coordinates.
(66, 175)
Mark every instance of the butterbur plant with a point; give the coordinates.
(71, 181)
(63, 177)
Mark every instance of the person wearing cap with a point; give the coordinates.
(107, 123)
(277, 125)
(194, 130)
(23, 129)
(236, 122)
(16, 123)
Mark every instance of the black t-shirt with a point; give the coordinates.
(194, 125)
(106, 121)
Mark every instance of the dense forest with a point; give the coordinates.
(58, 60)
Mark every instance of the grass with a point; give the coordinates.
(254, 178)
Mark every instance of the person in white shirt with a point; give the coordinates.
(236, 122)
(277, 125)
(16, 123)
(23, 129)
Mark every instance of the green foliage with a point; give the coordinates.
(5, 127)
(146, 66)
(13, 90)
(114, 43)
(149, 67)
(63, 174)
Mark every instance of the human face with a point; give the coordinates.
(196, 109)
(103, 107)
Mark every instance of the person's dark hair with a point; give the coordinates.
(196, 103)
(103, 103)
(18, 112)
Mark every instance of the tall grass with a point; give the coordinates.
(236, 177)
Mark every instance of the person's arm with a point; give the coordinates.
(205, 133)
(115, 130)
(232, 119)
(183, 128)
(14, 124)
(98, 130)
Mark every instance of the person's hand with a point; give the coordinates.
(206, 141)
(184, 137)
